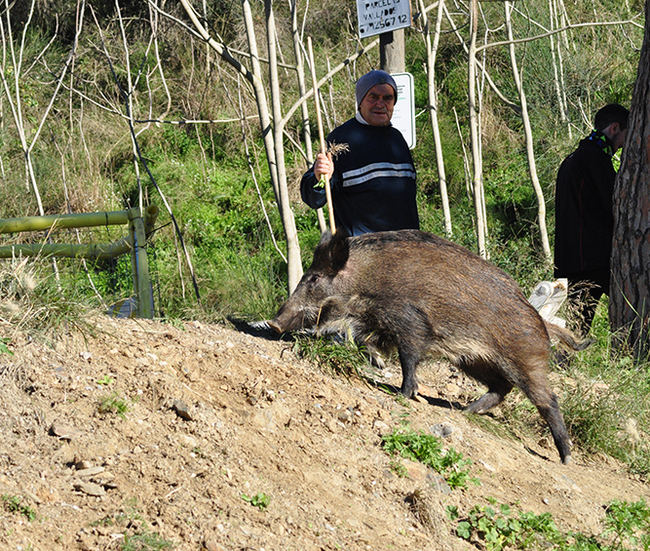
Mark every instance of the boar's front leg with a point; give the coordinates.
(409, 358)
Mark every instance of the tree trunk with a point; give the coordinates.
(528, 132)
(432, 49)
(475, 139)
(630, 284)
(294, 261)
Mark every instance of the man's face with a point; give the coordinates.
(377, 105)
(616, 134)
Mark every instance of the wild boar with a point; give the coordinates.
(422, 294)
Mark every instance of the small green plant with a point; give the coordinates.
(346, 358)
(427, 449)
(259, 500)
(494, 527)
(4, 349)
(113, 404)
(14, 504)
(398, 468)
(145, 541)
(106, 380)
(629, 522)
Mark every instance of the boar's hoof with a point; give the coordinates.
(566, 459)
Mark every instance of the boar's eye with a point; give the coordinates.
(312, 279)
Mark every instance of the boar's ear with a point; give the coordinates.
(332, 253)
(339, 250)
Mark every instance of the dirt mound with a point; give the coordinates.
(205, 437)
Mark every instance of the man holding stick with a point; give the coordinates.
(369, 166)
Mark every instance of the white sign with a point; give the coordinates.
(404, 112)
(382, 16)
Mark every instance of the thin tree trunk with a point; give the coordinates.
(302, 89)
(294, 261)
(530, 154)
(432, 48)
(475, 146)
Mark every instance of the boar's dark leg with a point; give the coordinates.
(552, 415)
(409, 358)
(493, 397)
(488, 374)
(538, 392)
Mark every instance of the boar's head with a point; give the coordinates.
(301, 310)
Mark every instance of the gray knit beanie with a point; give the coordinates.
(367, 81)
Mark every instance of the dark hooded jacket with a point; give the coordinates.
(583, 209)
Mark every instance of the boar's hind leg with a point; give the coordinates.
(545, 401)
(487, 374)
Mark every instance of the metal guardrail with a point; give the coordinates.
(140, 225)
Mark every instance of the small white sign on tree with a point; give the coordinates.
(382, 16)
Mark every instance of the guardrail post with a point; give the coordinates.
(140, 265)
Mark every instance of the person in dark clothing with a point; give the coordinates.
(373, 179)
(583, 213)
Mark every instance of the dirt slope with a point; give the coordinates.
(214, 415)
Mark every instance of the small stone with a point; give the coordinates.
(211, 545)
(90, 488)
(439, 484)
(380, 426)
(63, 431)
(182, 410)
(442, 430)
(90, 471)
(345, 416)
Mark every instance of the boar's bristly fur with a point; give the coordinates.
(422, 294)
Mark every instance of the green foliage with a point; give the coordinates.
(14, 504)
(105, 380)
(4, 348)
(494, 527)
(607, 404)
(338, 358)
(32, 299)
(629, 522)
(427, 449)
(146, 541)
(259, 500)
(113, 404)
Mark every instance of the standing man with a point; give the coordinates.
(373, 178)
(583, 213)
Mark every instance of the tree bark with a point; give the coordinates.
(630, 284)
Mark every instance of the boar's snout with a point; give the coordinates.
(273, 324)
(288, 318)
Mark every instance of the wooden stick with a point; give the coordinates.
(321, 136)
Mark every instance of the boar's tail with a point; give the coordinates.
(566, 337)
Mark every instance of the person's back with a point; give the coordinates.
(583, 213)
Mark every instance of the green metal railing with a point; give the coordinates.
(140, 225)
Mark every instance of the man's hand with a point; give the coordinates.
(323, 166)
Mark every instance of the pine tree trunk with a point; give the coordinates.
(630, 286)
